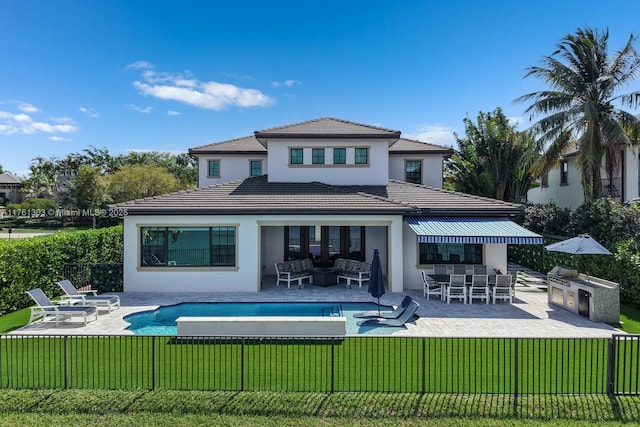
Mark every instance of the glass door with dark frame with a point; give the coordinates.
(324, 244)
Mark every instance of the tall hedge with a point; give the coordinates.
(615, 225)
(37, 262)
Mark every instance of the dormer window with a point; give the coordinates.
(317, 156)
(255, 167)
(362, 156)
(413, 171)
(296, 156)
(339, 156)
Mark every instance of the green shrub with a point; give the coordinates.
(34, 204)
(37, 262)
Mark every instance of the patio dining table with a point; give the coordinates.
(443, 280)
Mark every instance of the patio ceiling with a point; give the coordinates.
(471, 230)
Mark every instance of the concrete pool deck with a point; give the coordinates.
(529, 316)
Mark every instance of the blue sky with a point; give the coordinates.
(166, 76)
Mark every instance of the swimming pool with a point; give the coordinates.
(162, 321)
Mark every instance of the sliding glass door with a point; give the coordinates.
(324, 244)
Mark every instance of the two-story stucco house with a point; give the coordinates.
(320, 189)
(562, 185)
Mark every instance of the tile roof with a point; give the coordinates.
(9, 178)
(327, 127)
(258, 196)
(409, 146)
(245, 145)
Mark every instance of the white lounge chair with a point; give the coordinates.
(46, 308)
(73, 296)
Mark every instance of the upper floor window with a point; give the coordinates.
(296, 156)
(564, 172)
(255, 167)
(413, 171)
(317, 156)
(339, 156)
(214, 168)
(362, 156)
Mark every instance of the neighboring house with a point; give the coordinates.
(562, 185)
(10, 186)
(331, 191)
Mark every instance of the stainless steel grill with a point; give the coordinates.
(562, 275)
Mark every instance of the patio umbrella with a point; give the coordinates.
(376, 282)
(579, 245)
(582, 244)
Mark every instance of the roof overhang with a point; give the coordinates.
(471, 230)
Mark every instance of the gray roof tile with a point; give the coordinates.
(327, 127)
(245, 145)
(257, 195)
(409, 146)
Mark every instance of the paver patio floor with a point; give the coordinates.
(529, 316)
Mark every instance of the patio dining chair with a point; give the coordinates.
(457, 288)
(503, 288)
(479, 288)
(430, 286)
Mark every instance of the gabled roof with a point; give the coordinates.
(245, 145)
(410, 146)
(9, 178)
(258, 196)
(327, 127)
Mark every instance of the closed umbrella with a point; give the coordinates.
(376, 281)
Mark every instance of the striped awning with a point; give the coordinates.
(471, 230)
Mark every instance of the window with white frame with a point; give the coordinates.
(213, 170)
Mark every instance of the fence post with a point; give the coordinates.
(424, 365)
(153, 362)
(242, 365)
(66, 362)
(611, 364)
(516, 383)
(332, 365)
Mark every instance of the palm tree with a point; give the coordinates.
(585, 82)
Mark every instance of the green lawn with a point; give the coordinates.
(171, 408)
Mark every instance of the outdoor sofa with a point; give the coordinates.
(352, 270)
(296, 270)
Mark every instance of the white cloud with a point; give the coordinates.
(145, 110)
(89, 112)
(27, 108)
(63, 119)
(58, 139)
(139, 65)
(434, 134)
(288, 83)
(173, 113)
(21, 123)
(209, 95)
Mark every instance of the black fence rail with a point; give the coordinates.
(511, 366)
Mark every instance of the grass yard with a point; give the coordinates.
(171, 408)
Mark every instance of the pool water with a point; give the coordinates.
(162, 321)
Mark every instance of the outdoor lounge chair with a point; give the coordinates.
(387, 315)
(73, 296)
(406, 315)
(45, 308)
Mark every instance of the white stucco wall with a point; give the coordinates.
(632, 172)
(232, 167)
(375, 173)
(260, 243)
(564, 196)
(431, 168)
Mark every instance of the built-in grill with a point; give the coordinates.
(562, 275)
(591, 297)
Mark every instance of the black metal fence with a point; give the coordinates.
(511, 366)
